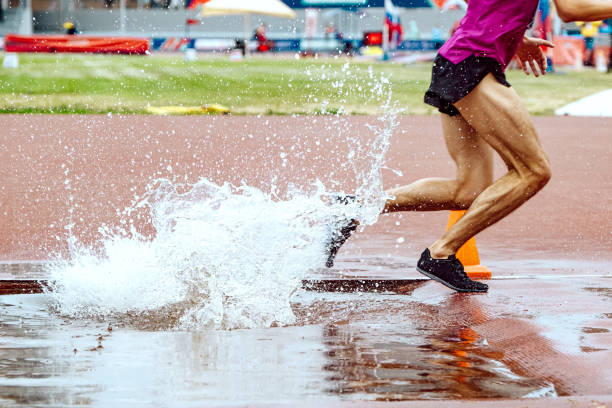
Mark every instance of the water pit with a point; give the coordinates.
(342, 346)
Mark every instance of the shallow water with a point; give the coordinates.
(343, 346)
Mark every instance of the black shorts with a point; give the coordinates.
(451, 82)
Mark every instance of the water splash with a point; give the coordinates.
(222, 256)
(226, 256)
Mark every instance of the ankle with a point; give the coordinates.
(440, 252)
(390, 206)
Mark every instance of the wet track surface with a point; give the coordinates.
(427, 343)
(91, 167)
(542, 331)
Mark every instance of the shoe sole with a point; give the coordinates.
(434, 277)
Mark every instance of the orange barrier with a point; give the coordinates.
(468, 253)
(75, 43)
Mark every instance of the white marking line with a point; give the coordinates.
(548, 277)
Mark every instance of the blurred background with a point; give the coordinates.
(316, 26)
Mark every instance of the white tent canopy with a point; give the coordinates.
(266, 7)
(274, 8)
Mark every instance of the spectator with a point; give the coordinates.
(70, 28)
(454, 5)
(543, 28)
(260, 35)
(436, 36)
(589, 32)
(454, 28)
(239, 45)
(413, 30)
(610, 55)
(332, 32)
(347, 48)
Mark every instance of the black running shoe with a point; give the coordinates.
(341, 232)
(448, 272)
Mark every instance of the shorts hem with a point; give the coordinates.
(452, 82)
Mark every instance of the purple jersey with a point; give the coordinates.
(490, 28)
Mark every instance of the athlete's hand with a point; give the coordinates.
(530, 54)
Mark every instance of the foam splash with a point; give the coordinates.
(222, 256)
(233, 254)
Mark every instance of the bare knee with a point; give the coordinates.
(465, 198)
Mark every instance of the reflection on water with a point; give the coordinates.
(452, 367)
(412, 351)
(345, 346)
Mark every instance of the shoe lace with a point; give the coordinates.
(461, 271)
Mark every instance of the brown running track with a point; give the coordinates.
(102, 162)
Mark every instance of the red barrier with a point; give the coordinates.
(75, 43)
(568, 50)
(371, 38)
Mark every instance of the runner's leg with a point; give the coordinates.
(474, 161)
(498, 116)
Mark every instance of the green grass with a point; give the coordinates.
(66, 83)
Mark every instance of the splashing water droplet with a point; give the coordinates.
(222, 256)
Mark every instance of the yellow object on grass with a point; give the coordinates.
(372, 51)
(187, 110)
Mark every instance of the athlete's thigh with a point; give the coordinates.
(497, 114)
(472, 155)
